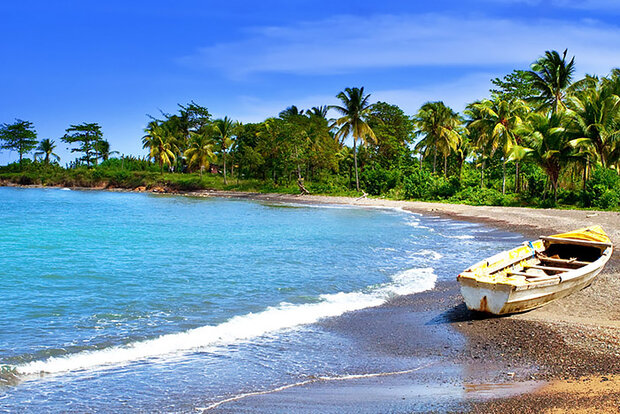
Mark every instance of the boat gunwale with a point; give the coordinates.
(469, 275)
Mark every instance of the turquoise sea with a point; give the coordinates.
(124, 302)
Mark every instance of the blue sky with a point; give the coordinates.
(114, 62)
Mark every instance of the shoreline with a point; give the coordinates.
(574, 342)
(581, 374)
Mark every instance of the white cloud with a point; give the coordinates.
(604, 5)
(254, 109)
(455, 93)
(346, 44)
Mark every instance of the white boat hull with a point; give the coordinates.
(500, 299)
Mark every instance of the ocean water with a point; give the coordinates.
(116, 302)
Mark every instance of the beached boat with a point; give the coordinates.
(537, 272)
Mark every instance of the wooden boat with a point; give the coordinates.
(537, 272)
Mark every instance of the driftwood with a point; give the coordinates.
(302, 188)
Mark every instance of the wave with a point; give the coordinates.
(433, 255)
(460, 237)
(323, 378)
(238, 328)
(339, 206)
(417, 225)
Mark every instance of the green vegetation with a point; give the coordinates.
(540, 139)
(19, 136)
(88, 137)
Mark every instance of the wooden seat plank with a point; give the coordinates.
(550, 268)
(562, 261)
(532, 276)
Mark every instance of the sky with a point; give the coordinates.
(117, 62)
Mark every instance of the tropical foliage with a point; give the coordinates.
(540, 138)
(19, 136)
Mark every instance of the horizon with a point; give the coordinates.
(115, 64)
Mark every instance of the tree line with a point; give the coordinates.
(21, 137)
(538, 137)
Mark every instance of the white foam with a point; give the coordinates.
(239, 328)
(460, 237)
(301, 204)
(383, 249)
(417, 225)
(428, 253)
(323, 378)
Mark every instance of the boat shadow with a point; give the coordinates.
(459, 313)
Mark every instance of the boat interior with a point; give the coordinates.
(557, 258)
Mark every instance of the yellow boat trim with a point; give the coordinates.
(593, 233)
(487, 270)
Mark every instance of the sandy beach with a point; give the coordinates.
(563, 357)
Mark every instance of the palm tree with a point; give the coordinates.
(200, 151)
(291, 111)
(46, 147)
(440, 126)
(549, 144)
(551, 75)
(478, 136)
(224, 130)
(596, 115)
(318, 111)
(355, 111)
(160, 142)
(500, 119)
(102, 148)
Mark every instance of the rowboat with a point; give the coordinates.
(537, 272)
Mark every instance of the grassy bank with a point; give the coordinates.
(600, 192)
(149, 179)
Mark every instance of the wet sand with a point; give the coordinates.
(563, 357)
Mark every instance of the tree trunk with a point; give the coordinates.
(202, 167)
(445, 165)
(482, 173)
(504, 176)
(435, 160)
(517, 186)
(357, 180)
(585, 173)
(298, 166)
(224, 157)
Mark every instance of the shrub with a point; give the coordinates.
(378, 180)
(602, 189)
(417, 185)
(486, 197)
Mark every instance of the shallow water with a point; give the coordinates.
(164, 303)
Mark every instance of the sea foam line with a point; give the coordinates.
(460, 236)
(310, 381)
(238, 328)
(426, 253)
